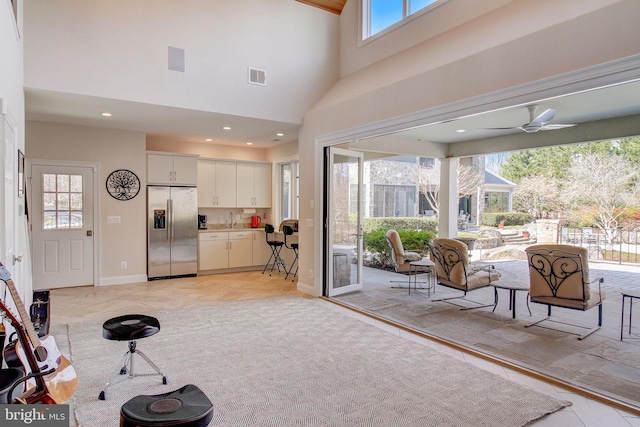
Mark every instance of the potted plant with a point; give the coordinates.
(501, 224)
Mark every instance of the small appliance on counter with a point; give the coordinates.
(202, 222)
(255, 221)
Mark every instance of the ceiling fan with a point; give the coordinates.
(540, 122)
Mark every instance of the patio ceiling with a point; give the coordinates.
(605, 113)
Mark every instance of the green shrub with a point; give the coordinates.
(507, 218)
(404, 223)
(376, 245)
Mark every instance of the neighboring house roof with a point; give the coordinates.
(492, 179)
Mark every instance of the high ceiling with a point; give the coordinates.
(608, 112)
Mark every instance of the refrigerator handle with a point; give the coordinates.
(170, 227)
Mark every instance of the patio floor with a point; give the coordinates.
(600, 364)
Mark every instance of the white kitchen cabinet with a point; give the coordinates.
(172, 169)
(240, 249)
(253, 185)
(225, 249)
(213, 250)
(216, 184)
(261, 250)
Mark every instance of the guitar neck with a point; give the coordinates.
(26, 319)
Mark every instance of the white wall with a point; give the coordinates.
(118, 49)
(111, 149)
(502, 49)
(12, 98)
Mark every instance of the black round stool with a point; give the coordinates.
(130, 327)
(185, 407)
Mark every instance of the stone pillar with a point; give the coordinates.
(547, 230)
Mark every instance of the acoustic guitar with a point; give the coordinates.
(53, 378)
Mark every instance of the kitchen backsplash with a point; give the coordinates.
(221, 217)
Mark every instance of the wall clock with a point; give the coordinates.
(123, 184)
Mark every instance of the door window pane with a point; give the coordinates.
(62, 201)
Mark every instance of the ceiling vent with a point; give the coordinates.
(176, 59)
(257, 77)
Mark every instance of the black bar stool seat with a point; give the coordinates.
(130, 327)
(185, 407)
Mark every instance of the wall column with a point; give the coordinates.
(448, 198)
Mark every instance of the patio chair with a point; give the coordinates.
(401, 259)
(559, 277)
(454, 270)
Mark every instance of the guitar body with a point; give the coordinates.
(53, 380)
(61, 383)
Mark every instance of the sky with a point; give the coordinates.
(385, 13)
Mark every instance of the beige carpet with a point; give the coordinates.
(296, 361)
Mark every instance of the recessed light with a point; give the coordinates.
(106, 114)
(279, 134)
(208, 139)
(461, 130)
(226, 128)
(249, 143)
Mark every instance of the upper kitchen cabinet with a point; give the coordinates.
(216, 184)
(172, 169)
(253, 185)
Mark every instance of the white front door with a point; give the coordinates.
(62, 225)
(344, 221)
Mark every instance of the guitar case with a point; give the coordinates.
(8, 379)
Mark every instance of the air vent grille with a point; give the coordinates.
(257, 77)
(176, 59)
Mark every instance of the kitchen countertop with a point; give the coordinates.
(211, 228)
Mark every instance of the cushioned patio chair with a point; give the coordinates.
(559, 277)
(454, 270)
(401, 258)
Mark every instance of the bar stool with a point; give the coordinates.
(130, 327)
(276, 247)
(288, 231)
(185, 407)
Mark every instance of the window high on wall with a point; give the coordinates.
(378, 15)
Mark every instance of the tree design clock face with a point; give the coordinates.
(123, 184)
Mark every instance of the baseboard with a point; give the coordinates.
(307, 288)
(122, 280)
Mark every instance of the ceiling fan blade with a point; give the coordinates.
(558, 126)
(543, 118)
(511, 128)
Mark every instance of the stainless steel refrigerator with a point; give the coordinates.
(172, 232)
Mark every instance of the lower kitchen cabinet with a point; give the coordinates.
(225, 249)
(240, 249)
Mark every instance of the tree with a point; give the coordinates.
(607, 183)
(537, 194)
(468, 181)
(555, 161)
